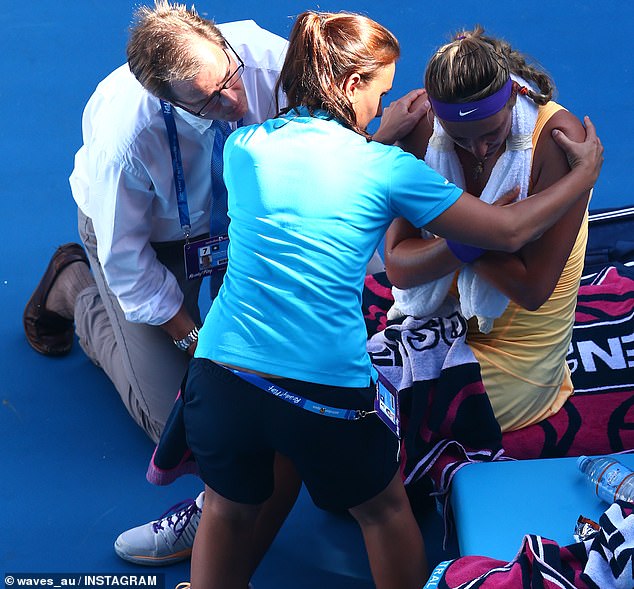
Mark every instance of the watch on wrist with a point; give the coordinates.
(188, 340)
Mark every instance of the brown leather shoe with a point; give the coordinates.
(49, 333)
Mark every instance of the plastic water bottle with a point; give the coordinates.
(612, 480)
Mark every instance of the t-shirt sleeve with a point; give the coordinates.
(419, 193)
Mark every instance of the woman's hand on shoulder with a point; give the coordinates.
(586, 153)
(416, 141)
(401, 116)
(565, 144)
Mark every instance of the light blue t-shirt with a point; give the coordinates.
(309, 201)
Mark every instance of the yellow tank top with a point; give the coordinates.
(523, 358)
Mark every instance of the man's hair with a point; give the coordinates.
(474, 66)
(164, 45)
(325, 48)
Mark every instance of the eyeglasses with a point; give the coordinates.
(214, 98)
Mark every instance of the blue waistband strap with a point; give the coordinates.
(298, 400)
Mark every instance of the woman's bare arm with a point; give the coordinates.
(411, 260)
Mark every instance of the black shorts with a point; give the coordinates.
(234, 429)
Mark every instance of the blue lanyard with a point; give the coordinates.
(177, 166)
(298, 400)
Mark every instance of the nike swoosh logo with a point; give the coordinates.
(464, 114)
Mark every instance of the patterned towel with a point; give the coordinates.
(447, 416)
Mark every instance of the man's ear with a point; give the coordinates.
(351, 86)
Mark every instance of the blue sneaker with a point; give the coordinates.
(167, 540)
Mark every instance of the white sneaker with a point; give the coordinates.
(166, 540)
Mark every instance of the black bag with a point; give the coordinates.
(610, 238)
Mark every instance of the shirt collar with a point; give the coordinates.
(201, 125)
(303, 111)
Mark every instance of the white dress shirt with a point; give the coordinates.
(123, 178)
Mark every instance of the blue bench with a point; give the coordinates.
(496, 504)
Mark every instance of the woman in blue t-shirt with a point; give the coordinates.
(281, 362)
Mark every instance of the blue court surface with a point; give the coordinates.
(72, 463)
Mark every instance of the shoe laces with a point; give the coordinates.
(177, 517)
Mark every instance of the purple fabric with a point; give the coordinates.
(473, 111)
(465, 253)
(172, 457)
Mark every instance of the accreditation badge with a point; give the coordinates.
(386, 404)
(206, 256)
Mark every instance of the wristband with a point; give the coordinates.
(465, 253)
(188, 340)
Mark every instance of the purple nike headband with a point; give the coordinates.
(473, 111)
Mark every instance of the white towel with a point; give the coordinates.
(477, 297)
(611, 551)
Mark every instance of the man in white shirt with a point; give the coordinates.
(138, 318)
